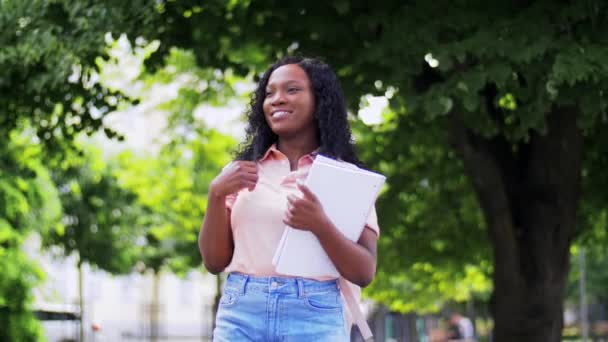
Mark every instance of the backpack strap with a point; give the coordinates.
(355, 310)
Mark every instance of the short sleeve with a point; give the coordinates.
(372, 221)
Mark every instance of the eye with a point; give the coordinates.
(292, 90)
(268, 94)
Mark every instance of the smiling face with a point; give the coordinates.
(289, 103)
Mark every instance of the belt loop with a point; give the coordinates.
(300, 283)
(244, 281)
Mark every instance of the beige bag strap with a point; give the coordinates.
(355, 310)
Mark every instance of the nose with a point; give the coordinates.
(277, 98)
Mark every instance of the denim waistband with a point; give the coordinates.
(243, 283)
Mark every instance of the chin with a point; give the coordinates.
(282, 131)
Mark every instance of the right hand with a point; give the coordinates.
(235, 176)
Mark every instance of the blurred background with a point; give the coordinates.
(488, 120)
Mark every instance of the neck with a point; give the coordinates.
(294, 149)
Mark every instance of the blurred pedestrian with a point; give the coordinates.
(460, 328)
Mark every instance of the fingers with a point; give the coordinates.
(247, 174)
(249, 166)
(292, 220)
(248, 169)
(250, 185)
(247, 180)
(288, 216)
(297, 212)
(247, 163)
(237, 175)
(249, 177)
(292, 199)
(306, 191)
(291, 206)
(294, 206)
(243, 167)
(291, 224)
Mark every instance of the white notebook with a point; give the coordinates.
(347, 195)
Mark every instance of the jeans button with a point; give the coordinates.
(274, 285)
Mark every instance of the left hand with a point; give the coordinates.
(305, 213)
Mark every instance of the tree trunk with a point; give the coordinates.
(155, 308)
(80, 300)
(529, 196)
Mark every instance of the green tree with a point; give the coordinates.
(48, 94)
(474, 94)
(48, 54)
(28, 202)
(173, 183)
(101, 220)
(519, 115)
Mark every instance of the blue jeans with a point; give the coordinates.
(279, 309)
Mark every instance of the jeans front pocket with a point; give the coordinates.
(229, 298)
(324, 301)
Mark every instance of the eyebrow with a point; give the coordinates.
(289, 82)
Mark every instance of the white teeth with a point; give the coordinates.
(279, 114)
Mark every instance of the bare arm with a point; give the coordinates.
(215, 240)
(355, 261)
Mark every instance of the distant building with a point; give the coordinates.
(120, 307)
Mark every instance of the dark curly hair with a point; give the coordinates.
(335, 139)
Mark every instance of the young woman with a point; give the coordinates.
(297, 111)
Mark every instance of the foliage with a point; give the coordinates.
(28, 202)
(423, 288)
(48, 56)
(429, 207)
(101, 221)
(173, 184)
(473, 61)
(48, 94)
(19, 277)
